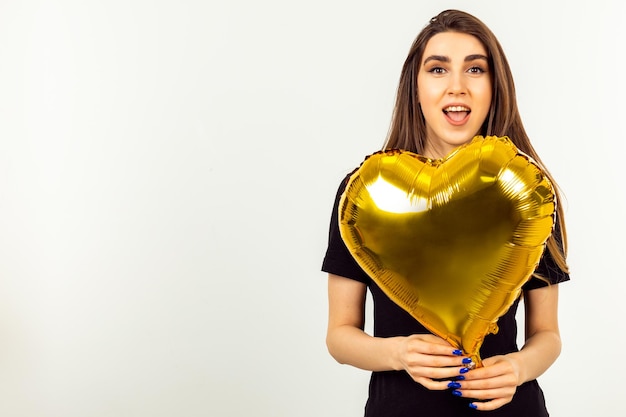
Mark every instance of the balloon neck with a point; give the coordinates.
(476, 362)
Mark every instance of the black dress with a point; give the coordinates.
(394, 393)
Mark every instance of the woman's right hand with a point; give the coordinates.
(429, 360)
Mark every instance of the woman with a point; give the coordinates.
(455, 84)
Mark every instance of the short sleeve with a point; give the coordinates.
(548, 268)
(338, 259)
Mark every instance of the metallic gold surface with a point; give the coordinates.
(452, 240)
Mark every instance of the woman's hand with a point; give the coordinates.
(494, 384)
(430, 360)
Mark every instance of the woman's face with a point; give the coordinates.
(454, 91)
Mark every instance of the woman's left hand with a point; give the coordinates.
(493, 385)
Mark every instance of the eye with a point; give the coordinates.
(436, 70)
(476, 69)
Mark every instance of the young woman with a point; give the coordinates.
(455, 84)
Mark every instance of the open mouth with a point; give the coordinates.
(457, 114)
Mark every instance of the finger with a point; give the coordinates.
(472, 382)
(446, 374)
(489, 372)
(489, 405)
(487, 394)
(432, 345)
(433, 384)
(437, 361)
(441, 346)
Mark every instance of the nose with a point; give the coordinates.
(456, 84)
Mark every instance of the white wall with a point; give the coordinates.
(167, 170)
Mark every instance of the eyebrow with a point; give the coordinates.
(444, 58)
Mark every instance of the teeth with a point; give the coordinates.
(456, 108)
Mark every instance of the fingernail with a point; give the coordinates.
(460, 378)
(464, 370)
(467, 360)
(457, 393)
(457, 352)
(454, 385)
(472, 405)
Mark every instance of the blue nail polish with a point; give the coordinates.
(464, 370)
(457, 393)
(460, 378)
(472, 405)
(457, 352)
(467, 360)
(454, 385)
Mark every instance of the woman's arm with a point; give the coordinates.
(498, 380)
(425, 357)
(543, 339)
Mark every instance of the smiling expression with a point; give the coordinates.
(454, 91)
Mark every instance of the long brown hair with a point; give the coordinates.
(408, 127)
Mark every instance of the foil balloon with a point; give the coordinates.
(452, 240)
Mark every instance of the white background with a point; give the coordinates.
(167, 170)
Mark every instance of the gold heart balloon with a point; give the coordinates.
(451, 240)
